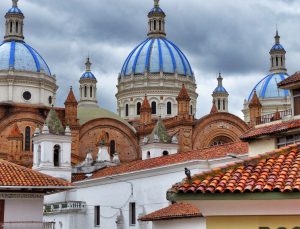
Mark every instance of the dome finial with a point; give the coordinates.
(15, 3)
(88, 64)
(220, 79)
(277, 37)
(156, 3)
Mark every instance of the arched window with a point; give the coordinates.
(165, 153)
(191, 109)
(126, 110)
(17, 27)
(91, 91)
(272, 62)
(276, 61)
(219, 104)
(169, 108)
(281, 59)
(85, 91)
(159, 24)
(27, 138)
(224, 104)
(138, 108)
(154, 25)
(148, 155)
(153, 106)
(11, 26)
(56, 156)
(112, 147)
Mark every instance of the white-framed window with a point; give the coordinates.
(132, 213)
(97, 216)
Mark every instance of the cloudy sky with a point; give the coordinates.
(232, 36)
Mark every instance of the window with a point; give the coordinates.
(272, 62)
(11, 26)
(219, 104)
(191, 109)
(126, 110)
(224, 104)
(159, 25)
(85, 91)
(138, 108)
(281, 61)
(154, 25)
(17, 27)
(50, 100)
(27, 95)
(148, 154)
(296, 95)
(169, 108)
(263, 228)
(276, 61)
(56, 155)
(287, 140)
(165, 153)
(132, 214)
(2, 208)
(91, 91)
(97, 215)
(27, 138)
(153, 106)
(112, 147)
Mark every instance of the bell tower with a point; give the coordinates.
(220, 96)
(156, 22)
(277, 56)
(14, 23)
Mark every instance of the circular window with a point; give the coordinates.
(27, 95)
(50, 100)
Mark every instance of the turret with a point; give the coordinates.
(71, 109)
(183, 100)
(220, 96)
(146, 111)
(156, 22)
(254, 109)
(277, 56)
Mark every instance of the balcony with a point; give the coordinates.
(273, 117)
(27, 225)
(65, 207)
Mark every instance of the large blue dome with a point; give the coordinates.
(19, 56)
(154, 55)
(267, 87)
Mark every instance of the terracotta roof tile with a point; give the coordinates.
(78, 177)
(203, 154)
(295, 78)
(183, 94)
(16, 175)
(15, 132)
(275, 171)
(174, 211)
(271, 129)
(71, 97)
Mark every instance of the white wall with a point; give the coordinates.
(189, 223)
(260, 146)
(23, 210)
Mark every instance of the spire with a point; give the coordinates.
(156, 22)
(71, 97)
(159, 133)
(14, 23)
(277, 37)
(220, 79)
(88, 65)
(255, 100)
(145, 104)
(183, 94)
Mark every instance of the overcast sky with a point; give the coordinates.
(232, 36)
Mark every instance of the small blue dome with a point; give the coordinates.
(156, 10)
(155, 55)
(88, 75)
(267, 87)
(220, 89)
(277, 47)
(19, 56)
(14, 10)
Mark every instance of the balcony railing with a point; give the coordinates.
(62, 207)
(272, 117)
(27, 225)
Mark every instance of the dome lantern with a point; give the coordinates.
(14, 23)
(277, 58)
(156, 22)
(220, 96)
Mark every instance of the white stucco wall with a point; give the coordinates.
(260, 146)
(23, 210)
(189, 223)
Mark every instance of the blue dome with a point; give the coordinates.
(155, 55)
(267, 87)
(20, 56)
(14, 10)
(277, 47)
(220, 89)
(88, 75)
(156, 10)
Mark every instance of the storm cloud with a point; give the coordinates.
(232, 36)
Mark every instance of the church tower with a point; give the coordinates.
(156, 24)
(277, 56)
(52, 148)
(220, 96)
(88, 87)
(14, 23)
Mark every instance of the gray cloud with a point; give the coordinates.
(232, 36)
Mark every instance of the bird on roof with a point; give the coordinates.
(188, 173)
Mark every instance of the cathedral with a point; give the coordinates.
(156, 85)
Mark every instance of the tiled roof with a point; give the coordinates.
(271, 129)
(213, 109)
(15, 132)
(290, 80)
(183, 94)
(174, 211)
(277, 171)
(255, 100)
(71, 97)
(18, 176)
(78, 177)
(204, 154)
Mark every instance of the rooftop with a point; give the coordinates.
(174, 211)
(276, 171)
(295, 78)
